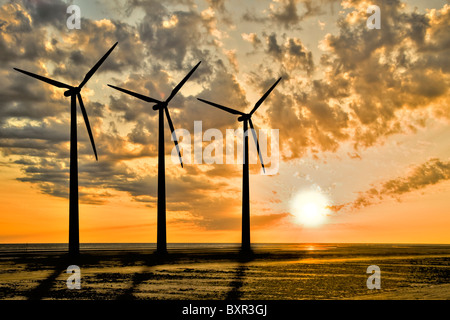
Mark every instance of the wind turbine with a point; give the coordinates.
(162, 107)
(74, 93)
(246, 118)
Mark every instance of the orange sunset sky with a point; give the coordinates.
(362, 114)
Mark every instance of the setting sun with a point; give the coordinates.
(310, 208)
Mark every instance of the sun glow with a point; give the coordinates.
(309, 208)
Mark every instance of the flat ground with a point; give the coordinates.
(318, 272)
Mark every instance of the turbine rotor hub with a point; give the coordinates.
(72, 91)
(244, 118)
(161, 105)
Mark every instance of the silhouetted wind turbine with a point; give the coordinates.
(74, 93)
(162, 106)
(246, 118)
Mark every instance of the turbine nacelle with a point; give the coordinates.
(73, 91)
(161, 105)
(244, 118)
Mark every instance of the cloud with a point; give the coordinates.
(429, 173)
(222, 220)
(170, 43)
(47, 12)
(365, 86)
(14, 19)
(287, 13)
(219, 7)
(291, 55)
(252, 38)
(419, 177)
(264, 221)
(35, 127)
(373, 83)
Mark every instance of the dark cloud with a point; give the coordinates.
(47, 12)
(95, 40)
(288, 13)
(428, 173)
(164, 33)
(53, 132)
(14, 19)
(291, 55)
(419, 177)
(371, 79)
(223, 89)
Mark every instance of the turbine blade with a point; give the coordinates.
(222, 107)
(86, 121)
(172, 130)
(134, 94)
(50, 81)
(257, 144)
(178, 87)
(264, 97)
(97, 65)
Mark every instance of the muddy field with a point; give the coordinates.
(269, 273)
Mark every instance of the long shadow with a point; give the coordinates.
(44, 287)
(150, 261)
(235, 292)
(179, 257)
(60, 263)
